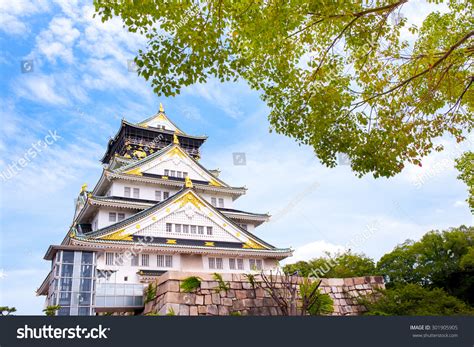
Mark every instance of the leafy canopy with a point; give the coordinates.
(336, 74)
(465, 166)
(440, 259)
(334, 266)
(414, 300)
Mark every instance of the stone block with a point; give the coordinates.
(231, 293)
(335, 281)
(193, 311)
(269, 302)
(223, 310)
(235, 285)
(216, 298)
(348, 281)
(258, 302)
(183, 310)
(248, 303)
(172, 297)
(199, 300)
(241, 294)
(226, 301)
(209, 284)
(173, 286)
(250, 294)
(212, 310)
(260, 292)
(168, 308)
(202, 309)
(237, 305)
(208, 299)
(359, 286)
(188, 298)
(273, 311)
(359, 280)
(246, 285)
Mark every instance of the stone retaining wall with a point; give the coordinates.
(242, 299)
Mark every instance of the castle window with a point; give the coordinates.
(112, 217)
(120, 216)
(243, 226)
(160, 260)
(178, 174)
(126, 192)
(255, 264)
(157, 195)
(168, 260)
(109, 258)
(201, 230)
(232, 263)
(136, 193)
(166, 195)
(209, 230)
(177, 228)
(213, 202)
(193, 229)
(135, 260)
(240, 264)
(212, 263)
(168, 227)
(185, 174)
(173, 173)
(219, 263)
(186, 229)
(167, 172)
(221, 202)
(216, 263)
(145, 259)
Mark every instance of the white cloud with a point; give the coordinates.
(58, 40)
(313, 250)
(39, 88)
(13, 14)
(460, 203)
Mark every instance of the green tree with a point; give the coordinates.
(414, 300)
(336, 75)
(334, 266)
(441, 259)
(6, 310)
(465, 165)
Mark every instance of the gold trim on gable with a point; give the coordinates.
(171, 242)
(177, 151)
(135, 171)
(210, 244)
(214, 183)
(252, 244)
(118, 236)
(189, 198)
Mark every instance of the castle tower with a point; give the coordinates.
(154, 209)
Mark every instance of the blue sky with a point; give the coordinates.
(80, 88)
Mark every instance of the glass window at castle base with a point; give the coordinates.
(74, 271)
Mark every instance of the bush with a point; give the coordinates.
(414, 300)
(190, 284)
(150, 293)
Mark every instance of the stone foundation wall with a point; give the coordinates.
(243, 299)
